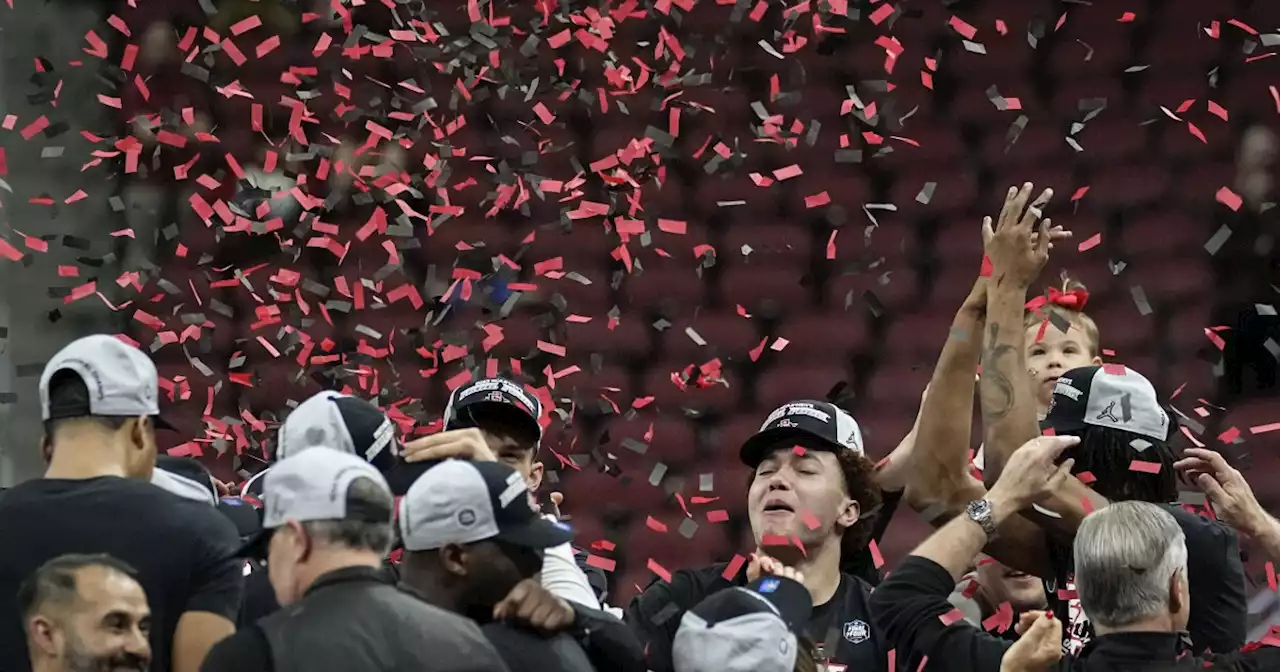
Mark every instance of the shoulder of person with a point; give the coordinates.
(1254, 657)
(209, 523)
(687, 587)
(1199, 526)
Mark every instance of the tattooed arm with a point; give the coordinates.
(1007, 397)
(1008, 405)
(939, 470)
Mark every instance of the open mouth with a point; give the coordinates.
(1014, 574)
(776, 507)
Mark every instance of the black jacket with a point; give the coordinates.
(909, 605)
(351, 619)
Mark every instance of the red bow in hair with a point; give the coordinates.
(1072, 300)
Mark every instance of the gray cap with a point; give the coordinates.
(121, 379)
(462, 502)
(341, 422)
(750, 628)
(313, 484)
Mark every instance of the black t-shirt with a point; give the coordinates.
(525, 651)
(183, 551)
(841, 626)
(1215, 577)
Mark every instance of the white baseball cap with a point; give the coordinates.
(122, 381)
(342, 422)
(463, 502)
(313, 485)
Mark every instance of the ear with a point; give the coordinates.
(849, 513)
(535, 476)
(1097, 360)
(41, 635)
(1179, 595)
(301, 541)
(453, 557)
(46, 448)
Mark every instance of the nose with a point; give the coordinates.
(138, 645)
(778, 482)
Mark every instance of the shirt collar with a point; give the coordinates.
(1144, 646)
(347, 575)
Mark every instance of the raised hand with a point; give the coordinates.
(1225, 487)
(1032, 473)
(1017, 243)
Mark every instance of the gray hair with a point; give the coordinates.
(1125, 555)
(363, 494)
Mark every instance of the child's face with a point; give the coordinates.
(1055, 354)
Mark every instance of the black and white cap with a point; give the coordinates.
(462, 502)
(341, 422)
(822, 420)
(751, 628)
(185, 478)
(121, 379)
(469, 403)
(313, 485)
(1110, 396)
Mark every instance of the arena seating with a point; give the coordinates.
(794, 301)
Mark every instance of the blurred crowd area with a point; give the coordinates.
(670, 217)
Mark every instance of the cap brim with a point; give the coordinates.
(538, 533)
(1062, 425)
(500, 408)
(755, 449)
(161, 423)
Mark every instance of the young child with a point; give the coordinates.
(1060, 337)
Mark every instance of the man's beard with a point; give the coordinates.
(80, 660)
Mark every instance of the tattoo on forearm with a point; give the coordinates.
(995, 388)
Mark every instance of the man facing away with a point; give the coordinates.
(98, 398)
(327, 527)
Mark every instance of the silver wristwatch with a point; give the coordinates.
(980, 512)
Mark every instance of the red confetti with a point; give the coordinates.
(658, 569)
(1145, 467)
(1229, 198)
(1127, 17)
(964, 29)
(952, 616)
(1090, 242)
(735, 566)
(602, 563)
